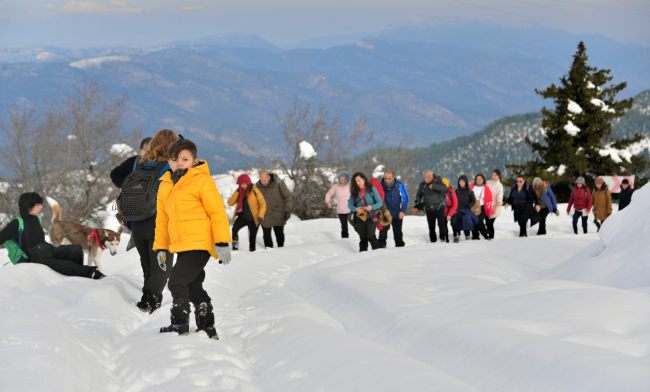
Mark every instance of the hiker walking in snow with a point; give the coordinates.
(278, 207)
(602, 202)
(497, 200)
(525, 205)
(451, 206)
(192, 223)
(366, 201)
(626, 194)
(465, 218)
(341, 190)
(482, 206)
(119, 173)
(431, 198)
(25, 240)
(138, 193)
(250, 211)
(581, 201)
(547, 203)
(397, 201)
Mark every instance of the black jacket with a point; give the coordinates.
(531, 201)
(32, 235)
(626, 197)
(466, 197)
(119, 173)
(431, 194)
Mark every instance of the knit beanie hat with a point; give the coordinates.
(446, 182)
(244, 179)
(599, 181)
(580, 180)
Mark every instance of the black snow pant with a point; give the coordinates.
(344, 225)
(252, 230)
(367, 234)
(543, 213)
(397, 234)
(480, 227)
(524, 216)
(576, 216)
(187, 276)
(434, 215)
(65, 259)
(155, 279)
(279, 236)
(490, 227)
(599, 223)
(454, 225)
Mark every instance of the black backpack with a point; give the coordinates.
(140, 192)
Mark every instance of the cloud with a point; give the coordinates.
(116, 7)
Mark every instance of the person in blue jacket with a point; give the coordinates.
(547, 202)
(396, 197)
(366, 202)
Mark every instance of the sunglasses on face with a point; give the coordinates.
(520, 181)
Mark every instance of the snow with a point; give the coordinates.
(602, 105)
(379, 171)
(97, 61)
(627, 154)
(122, 150)
(590, 85)
(561, 170)
(307, 150)
(574, 107)
(554, 313)
(571, 129)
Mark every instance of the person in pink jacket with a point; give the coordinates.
(483, 195)
(341, 190)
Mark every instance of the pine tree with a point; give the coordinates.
(577, 140)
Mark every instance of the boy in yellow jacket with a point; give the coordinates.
(192, 223)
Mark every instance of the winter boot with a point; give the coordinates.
(97, 275)
(466, 237)
(252, 248)
(456, 240)
(447, 238)
(147, 302)
(235, 245)
(205, 320)
(180, 318)
(344, 235)
(157, 301)
(434, 238)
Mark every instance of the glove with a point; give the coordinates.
(419, 206)
(287, 215)
(223, 251)
(260, 220)
(448, 218)
(557, 213)
(162, 258)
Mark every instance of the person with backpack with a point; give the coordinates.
(602, 202)
(525, 205)
(431, 197)
(24, 239)
(466, 220)
(119, 173)
(547, 203)
(581, 201)
(451, 206)
(139, 192)
(365, 201)
(278, 207)
(397, 202)
(497, 200)
(625, 197)
(482, 206)
(341, 190)
(250, 211)
(192, 223)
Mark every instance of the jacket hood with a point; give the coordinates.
(464, 178)
(345, 175)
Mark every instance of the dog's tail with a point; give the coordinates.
(56, 209)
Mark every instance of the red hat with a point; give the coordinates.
(244, 179)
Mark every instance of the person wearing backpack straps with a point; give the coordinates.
(397, 200)
(582, 202)
(522, 198)
(250, 211)
(25, 240)
(278, 207)
(139, 194)
(451, 206)
(432, 198)
(484, 203)
(466, 220)
(366, 201)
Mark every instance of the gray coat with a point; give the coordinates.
(278, 201)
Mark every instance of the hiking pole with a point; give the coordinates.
(6, 263)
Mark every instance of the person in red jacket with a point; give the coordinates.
(450, 211)
(483, 195)
(582, 202)
(375, 182)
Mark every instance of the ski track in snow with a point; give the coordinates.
(318, 316)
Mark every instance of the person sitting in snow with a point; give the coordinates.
(64, 259)
(192, 223)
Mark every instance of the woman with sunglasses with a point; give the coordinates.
(522, 198)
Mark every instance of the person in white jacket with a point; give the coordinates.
(341, 190)
(497, 200)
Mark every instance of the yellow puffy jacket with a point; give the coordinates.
(191, 214)
(255, 201)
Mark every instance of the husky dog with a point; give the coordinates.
(92, 241)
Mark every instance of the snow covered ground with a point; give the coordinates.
(554, 313)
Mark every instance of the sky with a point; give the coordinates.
(145, 23)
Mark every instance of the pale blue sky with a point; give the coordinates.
(142, 23)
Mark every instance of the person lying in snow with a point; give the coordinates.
(29, 242)
(192, 223)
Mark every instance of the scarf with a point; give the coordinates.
(178, 174)
(242, 195)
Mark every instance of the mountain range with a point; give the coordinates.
(433, 80)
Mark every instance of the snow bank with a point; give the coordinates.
(307, 151)
(571, 129)
(621, 257)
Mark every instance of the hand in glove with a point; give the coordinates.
(419, 206)
(223, 251)
(287, 215)
(162, 258)
(260, 220)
